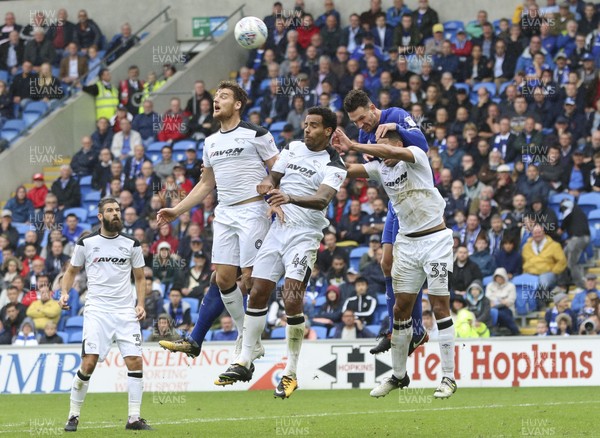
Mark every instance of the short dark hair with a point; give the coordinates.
(427, 313)
(356, 99)
(339, 257)
(105, 201)
(239, 94)
(329, 118)
(11, 306)
(392, 135)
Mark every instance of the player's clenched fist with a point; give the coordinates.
(277, 198)
(263, 189)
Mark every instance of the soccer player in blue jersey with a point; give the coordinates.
(373, 123)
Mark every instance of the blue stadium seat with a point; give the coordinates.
(555, 201)
(194, 304)
(594, 222)
(22, 228)
(76, 337)
(487, 280)
(12, 128)
(374, 328)
(33, 111)
(93, 216)
(81, 213)
(453, 25)
(64, 336)
(85, 226)
(320, 301)
(195, 318)
(264, 85)
(277, 126)
(589, 201)
(146, 334)
(503, 87)
(278, 333)
(85, 181)
(526, 285)
(3, 75)
(178, 155)
(155, 157)
(356, 254)
(144, 35)
(184, 145)
(156, 146)
(382, 299)
(74, 324)
(496, 24)
(494, 315)
(209, 335)
(490, 86)
(320, 331)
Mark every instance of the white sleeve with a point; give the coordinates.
(420, 157)
(334, 176)
(78, 256)
(372, 168)
(265, 146)
(282, 161)
(205, 159)
(137, 258)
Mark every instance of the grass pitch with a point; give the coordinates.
(493, 413)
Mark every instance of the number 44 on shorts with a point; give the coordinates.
(297, 261)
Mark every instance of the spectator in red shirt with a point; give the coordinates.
(37, 194)
(185, 185)
(173, 122)
(164, 235)
(306, 31)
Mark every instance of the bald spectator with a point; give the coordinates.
(84, 161)
(544, 257)
(121, 43)
(66, 188)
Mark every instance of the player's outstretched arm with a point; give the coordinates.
(66, 285)
(318, 201)
(357, 171)
(140, 291)
(382, 150)
(206, 185)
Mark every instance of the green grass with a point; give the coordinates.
(489, 413)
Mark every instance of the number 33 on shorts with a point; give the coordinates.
(438, 273)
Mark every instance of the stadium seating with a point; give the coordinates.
(594, 222)
(12, 128)
(33, 111)
(146, 334)
(64, 336)
(373, 328)
(526, 286)
(356, 254)
(454, 25)
(490, 86)
(278, 333)
(588, 202)
(74, 324)
(320, 331)
(76, 337)
(81, 213)
(487, 280)
(194, 304)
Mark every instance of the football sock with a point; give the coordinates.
(401, 337)
(234, 303)
(390, 301)
(79, 389)
(294, 334)
(446, 341)
(417, 315)
(211, 308)
(254, 324)
(135, 387)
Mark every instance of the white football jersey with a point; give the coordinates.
(108, 262)
(303, 172)
(417, 203)
(237, 158)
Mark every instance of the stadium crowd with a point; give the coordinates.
(511, 111)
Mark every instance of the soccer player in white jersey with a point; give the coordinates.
(110, 312)
(422, 250)
(234, 162)
(308, 174)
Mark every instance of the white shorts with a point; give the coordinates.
(418, 258)
(100, 329)
(287, 250)
(238, 233)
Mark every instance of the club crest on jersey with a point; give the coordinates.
(232, 152)
(96, 249)
(302, 170)
(123, 249)
(258, 244)
(115, 260)
(398, 180)
(339, 178)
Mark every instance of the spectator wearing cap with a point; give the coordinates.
(330, 313)
(561, 307)
(166, 266)
(7, 228)
(533, 185)
(578, 302)
(362, 304)
(433, 46)
(544, 257)
(197, 278)
(184, 184)
(544, 215)
(348, 289)
(502, 295)
(461, 47)
(575, 119)
(575, 224)
(37, 194)
(20, 206)
(370, 255)
(107, 96)
(374, 275)
(66, 188)
(464, 271)
(504, 188)
(578, 174)
(587, 72)
(351, 327)
(406, 35)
